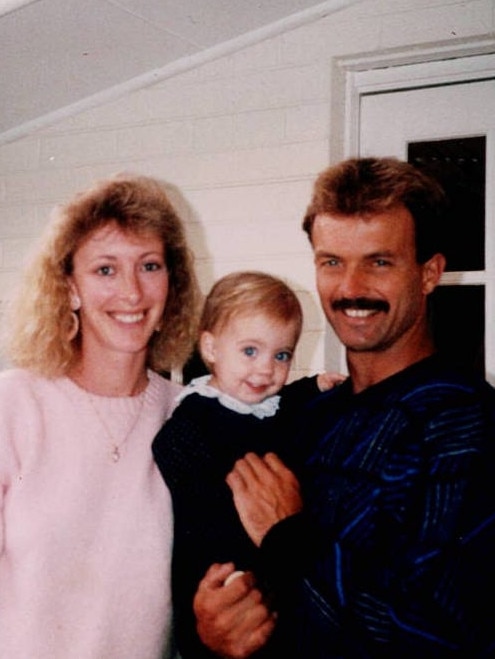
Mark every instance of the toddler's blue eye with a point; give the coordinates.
(284, 356)
(249, 351)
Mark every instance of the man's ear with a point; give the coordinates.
(207, 346)
(432, 272)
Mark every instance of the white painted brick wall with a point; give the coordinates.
(240, 139)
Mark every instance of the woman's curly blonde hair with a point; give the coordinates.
(41, 320)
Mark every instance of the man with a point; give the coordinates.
(397, 534)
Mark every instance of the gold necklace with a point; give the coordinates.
(117, 446)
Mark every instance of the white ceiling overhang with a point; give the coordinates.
(59, 56)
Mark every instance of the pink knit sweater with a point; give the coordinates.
(85, 541)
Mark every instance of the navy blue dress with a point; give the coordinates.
(195, 450)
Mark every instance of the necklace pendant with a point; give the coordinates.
(115, 447)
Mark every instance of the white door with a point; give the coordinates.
(430, 116)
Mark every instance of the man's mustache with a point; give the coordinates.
(360, 303)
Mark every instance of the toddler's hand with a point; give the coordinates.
(329, 379)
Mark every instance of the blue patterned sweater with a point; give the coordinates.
(394, 556)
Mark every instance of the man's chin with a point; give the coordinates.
(359, 345)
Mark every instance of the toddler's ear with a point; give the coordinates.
(207, 346)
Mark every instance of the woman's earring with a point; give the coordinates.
(74, 327)
(75, 304)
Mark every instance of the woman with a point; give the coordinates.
(86, 522)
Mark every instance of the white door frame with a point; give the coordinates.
(409, 69)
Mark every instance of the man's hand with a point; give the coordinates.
(265, 491)
(232, 620)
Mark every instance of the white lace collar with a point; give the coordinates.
(267, 407)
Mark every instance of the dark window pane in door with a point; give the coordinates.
(459, 165)
(457, 316)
